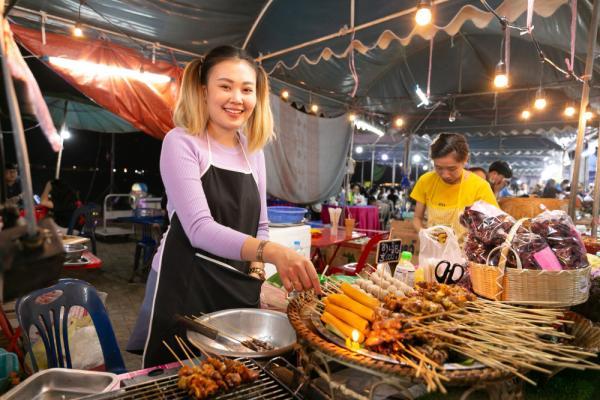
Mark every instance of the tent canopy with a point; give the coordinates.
(391, 57)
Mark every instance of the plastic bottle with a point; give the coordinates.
(405, 270)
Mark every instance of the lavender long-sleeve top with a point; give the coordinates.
(183, 160)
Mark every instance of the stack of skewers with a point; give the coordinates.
(424, 326)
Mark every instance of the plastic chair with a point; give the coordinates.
(91, 216)
(45, 317)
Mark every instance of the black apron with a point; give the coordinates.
(192, 281)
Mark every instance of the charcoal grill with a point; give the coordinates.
(266, 387)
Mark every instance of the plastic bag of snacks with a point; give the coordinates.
(533, 252)
(557, 228)
(486, 223)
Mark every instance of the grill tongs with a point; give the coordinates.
(215, 334)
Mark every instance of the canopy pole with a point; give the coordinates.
(406, 161)
(372, 166)
(112, 164)
(393, 171)
(596, 190)
(362, 173)
(18, 136)
(585, 94)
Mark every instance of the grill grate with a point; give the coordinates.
(265, 388)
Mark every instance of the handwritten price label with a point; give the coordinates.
(389, 251)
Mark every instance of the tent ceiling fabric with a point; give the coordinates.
(391, 58)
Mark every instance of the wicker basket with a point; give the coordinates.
(525, 286)
(529, 207)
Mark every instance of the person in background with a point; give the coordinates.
(356, 197)
(499, 174)
(445, 192)
(393, 198)
(480, 172)
(14, 195)
(550, 190)
(61, 199)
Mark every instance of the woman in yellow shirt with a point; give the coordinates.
(445, 192)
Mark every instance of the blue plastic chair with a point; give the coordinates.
(74, 293)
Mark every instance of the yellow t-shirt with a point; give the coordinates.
(432, 191)
(446, 202)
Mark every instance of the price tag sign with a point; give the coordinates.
(389, 251)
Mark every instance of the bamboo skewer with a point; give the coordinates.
(173, 353)
(182, 345)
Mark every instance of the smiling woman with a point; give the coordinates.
(445, 192)
(213, 169)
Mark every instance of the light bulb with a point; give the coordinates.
(359, 149)
(285, 95)
(400, 164)
(314, 108)
(416, 158)
(501, 79)
(384, 157)
(398, 122)
(569, 111)
(77, 31)
(423, 15)
(540, 101)
(526, 114)
(588, 115)
(352, 117)
(425, 167)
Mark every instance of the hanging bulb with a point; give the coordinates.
(588, 115)
(77, 31)
(285, 95)
(384, 157)
(398, 122)
(314, 108)
(540, 100)
(570, 111)
(453, 114)
(352, 117)
(359, 149)
(501, 79)
(526, 114)
(423, 15)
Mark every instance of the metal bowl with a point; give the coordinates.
(74, 251)
(270, 326)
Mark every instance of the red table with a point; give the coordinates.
(326, 239)
(367, 217)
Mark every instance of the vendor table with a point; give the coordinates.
(326, 239)
(367, 217)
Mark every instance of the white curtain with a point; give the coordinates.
(306, 163)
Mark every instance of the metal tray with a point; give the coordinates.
(315, 318)
(63, 384)
(271, 326)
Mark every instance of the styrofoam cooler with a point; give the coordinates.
(286, 236)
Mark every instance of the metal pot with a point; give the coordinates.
(270, 326)
(74, 251)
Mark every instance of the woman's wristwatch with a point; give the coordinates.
(259, 272)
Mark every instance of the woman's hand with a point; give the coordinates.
(296, 271)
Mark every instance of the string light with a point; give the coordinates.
(588, 115)
(501, 79)
(398, 122)
(526, 114)
(314, 108)
(352, 117)
(384, 157)
(77, 31)
(416, 158)
(570, 110)
(285, 95)
(540, 100)
(423, 15)
(359, 150)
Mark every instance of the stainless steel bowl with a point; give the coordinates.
(270, 326)
(74, 251)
